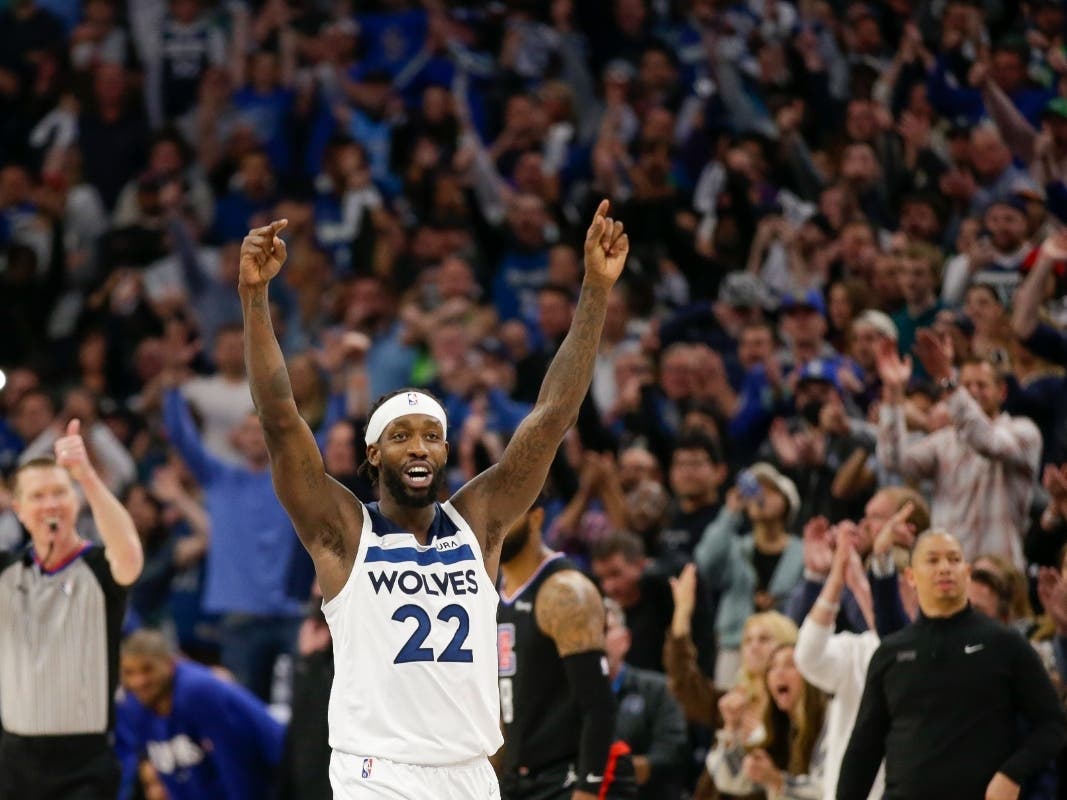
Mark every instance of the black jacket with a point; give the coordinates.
(651, 722)
(945, 701)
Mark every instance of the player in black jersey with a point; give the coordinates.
(555, 697)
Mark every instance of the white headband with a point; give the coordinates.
(400, 406)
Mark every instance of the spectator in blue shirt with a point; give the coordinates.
(253, 553)
(206, 738)
(252, 193)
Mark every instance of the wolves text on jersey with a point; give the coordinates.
(411, 582)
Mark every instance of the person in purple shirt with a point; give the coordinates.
(205, 738)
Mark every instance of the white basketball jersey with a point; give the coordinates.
(414, 642)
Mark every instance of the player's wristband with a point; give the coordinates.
(587, 678)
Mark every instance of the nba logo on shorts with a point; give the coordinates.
(368, 765)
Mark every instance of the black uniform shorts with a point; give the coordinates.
(57, 768)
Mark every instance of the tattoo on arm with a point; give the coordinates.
(571, 371)
(570, 611)
(280, 388)
(511, 486)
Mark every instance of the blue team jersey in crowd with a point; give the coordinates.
(218, 742)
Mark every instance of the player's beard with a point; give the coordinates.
(404, 495)
(515, 541)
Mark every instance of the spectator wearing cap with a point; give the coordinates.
(995, 257)
(741, 300)
(868, 329)
(752, 572)
(817, 445)
(983, 465)
(803, 327)
(920, 267)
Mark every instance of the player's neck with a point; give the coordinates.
(521, 568)
(416, 520)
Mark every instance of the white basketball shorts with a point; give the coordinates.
(362, 777)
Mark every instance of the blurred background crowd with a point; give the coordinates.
(838, 211)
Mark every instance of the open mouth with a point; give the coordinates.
(780, 693)
(418, 476)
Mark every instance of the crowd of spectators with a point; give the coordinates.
(842, 322)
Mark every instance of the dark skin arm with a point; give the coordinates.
(570, 612)
(326, 516)
(494, 500)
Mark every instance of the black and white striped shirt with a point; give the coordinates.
(59, 641)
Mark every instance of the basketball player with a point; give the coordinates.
(408, 582)
(556, 701)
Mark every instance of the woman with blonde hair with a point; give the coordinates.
(761, 635)
(783, 755)
(695, 690)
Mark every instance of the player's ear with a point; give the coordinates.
(374, 455)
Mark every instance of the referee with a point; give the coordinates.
(62, 601)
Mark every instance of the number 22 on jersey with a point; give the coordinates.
(413, 649)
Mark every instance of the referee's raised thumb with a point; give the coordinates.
(74, 427)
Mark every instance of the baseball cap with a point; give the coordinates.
(764, 471)
(1014, 201)
(812, 298)
(743, 290)
(819, 369)
(879, 321)
(960, 127)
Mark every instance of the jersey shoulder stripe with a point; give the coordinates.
(424, 558)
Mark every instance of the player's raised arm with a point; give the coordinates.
(492, 501)
(316, 504)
